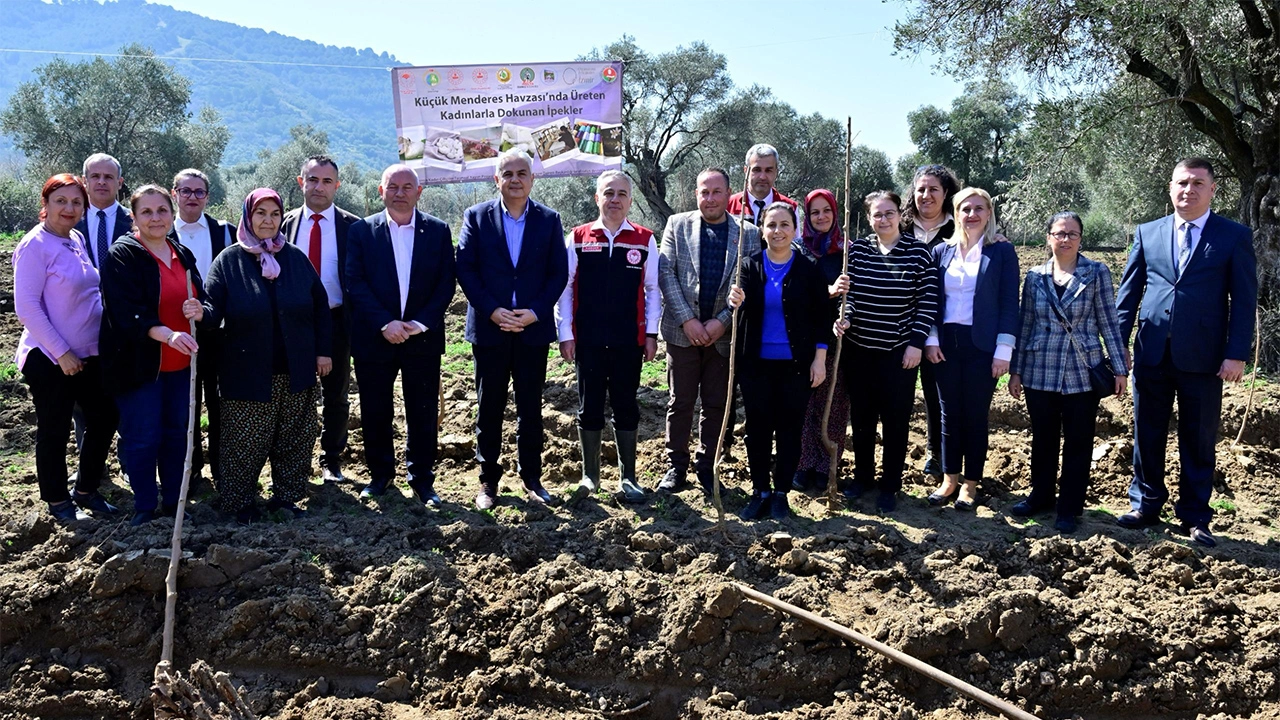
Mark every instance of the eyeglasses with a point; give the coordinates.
(885, 216)
(197, 193)
(1064, 235)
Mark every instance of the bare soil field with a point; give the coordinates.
(386, 610)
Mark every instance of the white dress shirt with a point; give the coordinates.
(402, 246)
(652, 294)
(1196, 231)
(958, 284)
(768, 200)
(195, 237)
(926, 236)
(329, 265)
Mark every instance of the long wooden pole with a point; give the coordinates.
(833, 457)
(1253, 378)
(733, 354)
(990, 701)
(165, 665)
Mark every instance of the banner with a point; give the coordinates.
(453, 121)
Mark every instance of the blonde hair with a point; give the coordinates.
(989, 232)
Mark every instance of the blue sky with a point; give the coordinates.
(829, 56)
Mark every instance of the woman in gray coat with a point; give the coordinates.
(1068, 312)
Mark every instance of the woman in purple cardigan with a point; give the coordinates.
(56, 298)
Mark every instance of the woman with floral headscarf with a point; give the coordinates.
(276, 340)
(822, 239)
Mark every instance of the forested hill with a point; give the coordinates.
(258, 103)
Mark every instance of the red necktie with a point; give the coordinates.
(314, 251)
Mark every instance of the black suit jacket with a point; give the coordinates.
(342, 222)
(373, 287)
(488, 277)
(124, 226)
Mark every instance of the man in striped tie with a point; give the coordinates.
(105, 219)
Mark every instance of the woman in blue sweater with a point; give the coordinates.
(785, 325)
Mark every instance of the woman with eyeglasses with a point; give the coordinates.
(1068, 303)
(927, 217)
(892, 306)
(973, 341)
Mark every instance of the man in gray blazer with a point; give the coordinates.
(1192, 287)
(695, 269)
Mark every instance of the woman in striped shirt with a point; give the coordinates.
(892, 304)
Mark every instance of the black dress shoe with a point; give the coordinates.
(800, 481)
(65, 511)
(142, 517)
(938, 498)
(851, 490)
(887, 502)
(757, 507)
(673, 481)
(376, 488)
(1029, 507)
(707, 479)
(1065, 524)
(425, 492)
(331, 472)
(290, 509)
(1200, 534)
(537, 493)
(1137, 520)
(933, 467)
(94, 503)
(779, 509)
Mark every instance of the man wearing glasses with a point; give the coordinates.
(205, 237)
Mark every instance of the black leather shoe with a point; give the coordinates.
(65, 511)
(937, 498)
(673, 481)
(757, 507)
(800, 482)
(707, 479)
(1137, 520)
(376, 488)
(1065, 524)
(1200, 534)
(94, 503)
(933, 467)
(425, 492)
(779, 509)
(290, 509)
(537, 493)
(331, 472)
(851, 490)
(142, 517)
(1029, 507)
(887, 502)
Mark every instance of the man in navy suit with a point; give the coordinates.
(400, 280)
(105, 219)
(1192, 285)
(320, 230)
(513, 266)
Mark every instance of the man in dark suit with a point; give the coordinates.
(1192, 286)
(513, 266)
(400, 280)
(205, 237)
(105, 219)
(320, 229)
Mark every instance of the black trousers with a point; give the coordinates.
(1071, 418)
(498, 367)
(420, 382)
(334, 388)
(887, 396)
(1199, 397)
(54, 395)
(615, 371)
(775, 394)
(207, 402)
(965, 387)
(932, 409)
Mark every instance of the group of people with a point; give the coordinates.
(116, 303)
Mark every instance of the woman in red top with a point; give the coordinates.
(147, 349)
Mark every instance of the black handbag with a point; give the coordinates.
(1102, 379)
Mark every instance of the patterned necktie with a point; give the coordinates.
(313, 251)
(102, 237)
(759, 211)
(1184, 247)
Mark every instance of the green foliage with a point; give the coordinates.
(19, 203)
(979, 137)
(134, 108)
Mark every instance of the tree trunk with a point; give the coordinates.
(1260, 210)
(653, 186)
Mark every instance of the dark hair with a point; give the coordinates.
(716, 171)
(56, 183)
(947, 179)
(779, 205)
(1065, 215)
(318, 160)
(1195, 163)
(877, 196)
(149, 189)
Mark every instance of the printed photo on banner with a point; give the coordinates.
(568, 116)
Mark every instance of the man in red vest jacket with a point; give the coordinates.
(761, 167)
(607, 320)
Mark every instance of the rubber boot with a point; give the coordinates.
(589, 440)
(630, 489)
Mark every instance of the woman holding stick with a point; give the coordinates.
(823, 240)
(276, 340)
(783, 348)
(891, 307)
(57, 300)
(148, 284)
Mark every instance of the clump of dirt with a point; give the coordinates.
(386, 610)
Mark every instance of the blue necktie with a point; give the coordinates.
(102, 237)
(1184, 247)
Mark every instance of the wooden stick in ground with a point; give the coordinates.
(1253, 377)
(175, 552)
(833, 456)
(733, 354)
(990, 701)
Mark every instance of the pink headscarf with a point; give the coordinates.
(255, 244)
(822, 243)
